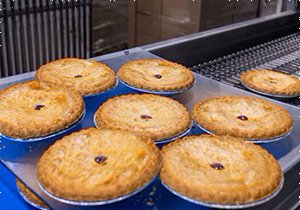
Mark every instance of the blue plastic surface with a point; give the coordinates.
(9, 196)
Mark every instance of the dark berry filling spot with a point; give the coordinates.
(100, 159)
(39, 106)
(157, 76)
(78, 76)
(242, 117)
(217, 166)
(144, 116)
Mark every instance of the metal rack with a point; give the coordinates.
(264, 55)
(34, 32)
(282, 54)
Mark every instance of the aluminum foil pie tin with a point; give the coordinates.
(282, 96)
(14, 148)
(104, 92)
(259, 141)
(229, 206)
(172, 92)
(167, 140)
(30, 202)
(182, 134)
(100, 202)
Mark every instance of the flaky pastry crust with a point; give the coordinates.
(225, 115)
(153, 116)
(219, 169)
(156, 74)
(86, 76)
(95, 165)
(270, 81)
(36, 109)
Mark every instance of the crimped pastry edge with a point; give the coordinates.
(100, 123)
(84, 92)
(244, 77)
(41, 131)
(207, 196)
(159, 92)
(103, 195)
(256, 141)
(135, 82)
(259, 134)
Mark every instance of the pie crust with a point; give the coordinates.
(95, 165)
(153, 116)
(219, 169)
(86, 76)
(270, 81)
(36, 109)
(242, 116)
(156, 74)
(30, 195)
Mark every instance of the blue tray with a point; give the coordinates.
(155, 196)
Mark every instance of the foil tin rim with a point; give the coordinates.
(173, 92)
(167, 140)
(229, 206)
(104, 92)
(30, 202)
(48, 136)
(100, 202)
(259, 141)
(283, 96)
(182, 134)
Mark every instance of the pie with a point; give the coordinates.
(95, 165)
(36, 109)
(219, 169)
(156, 74)
(30, 196)
(242, 116)
(86, 76)
(273, 82)
(153, 116)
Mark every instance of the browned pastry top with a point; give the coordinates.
(242, 116)
(270, 81)
(156, 74)
(153, 116)
(219, 169)
(95, 165)
(86, 76)
(35, 109)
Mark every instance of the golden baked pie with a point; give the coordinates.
(153, 116)
(35, 109)
(270, 81)
(156, 74)
(95, 165)
(30, 196)
(242, 116)
(86, 76)
(219, 169)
